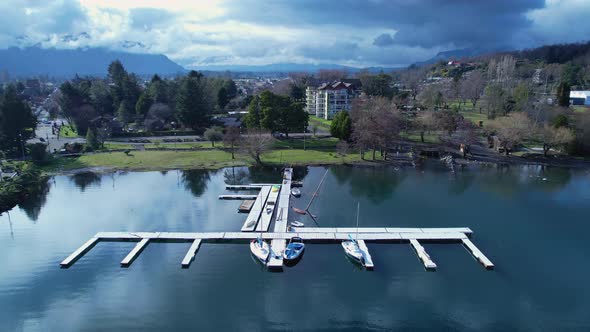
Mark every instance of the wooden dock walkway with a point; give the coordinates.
(366, 255)
(271, 205)
(244, 187)
(277, 246)
(135, 252)
(423, 255)
(237, 197)
(246, 205)
(190, 255)
(478, 254)
(254, 215)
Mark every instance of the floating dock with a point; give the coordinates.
(246, 206)
(244, 187)
(256, 211)
(366, 255)
(237, 197)
(423, 255)
(190, 255)
(268, 210)
(277, 197)
(277, 246)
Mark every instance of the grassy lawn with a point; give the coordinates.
(117, 146)
(428, 137)
(474, 116)
(322, 143)
(580, 108)
(205, 159)
(301, 157)
(195, 145)
(320, 122)
(67, 131)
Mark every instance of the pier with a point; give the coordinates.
(273, 200)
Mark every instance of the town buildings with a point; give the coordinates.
(328, 99)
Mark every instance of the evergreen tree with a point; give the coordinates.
(126, 113)
(563, 94)
(143, 104)
(192, 103)
(17, 122)
(341, 126)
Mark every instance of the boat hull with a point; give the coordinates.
(260, 250)
(352, 250)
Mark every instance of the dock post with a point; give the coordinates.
(478, 254)
(192, 251)
(79, 252)
(423, 255)
(134, 253)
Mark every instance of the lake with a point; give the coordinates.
(532, 222)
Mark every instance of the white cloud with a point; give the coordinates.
(200, 32)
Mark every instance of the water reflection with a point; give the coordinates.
(33, 204)
(86, 179)
(375, 184)
(196, 180)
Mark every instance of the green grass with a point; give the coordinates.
(322, 143)
(117, 146)
(307, 157)
(432, 137)
(68, 131)
(204, 159)
(580, 108)
(172, 146)
(474, 116)
(319, 122)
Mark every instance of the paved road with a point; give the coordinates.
(44, 131)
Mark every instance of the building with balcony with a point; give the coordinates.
(330, 98)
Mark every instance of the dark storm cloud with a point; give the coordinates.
(383, 39)
(427, 23)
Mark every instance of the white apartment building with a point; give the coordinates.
(330, 98)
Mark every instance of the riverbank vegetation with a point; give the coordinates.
(27, 182)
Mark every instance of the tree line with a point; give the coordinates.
(187, 101)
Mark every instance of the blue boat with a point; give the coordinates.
(294, 249)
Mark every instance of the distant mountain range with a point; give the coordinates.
(289, 67)
(455, 54)
(34, 61)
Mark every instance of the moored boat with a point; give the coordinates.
(296, 192)
(297, 224)
(294, 249)
(260, 249)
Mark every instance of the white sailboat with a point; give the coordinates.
(260, 249)
(351, 247)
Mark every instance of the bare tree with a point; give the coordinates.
(431, 97)
(376, 123)
(232, 139)
(512, 129)
(329, 75)
(555, 137)
(425, 123)
(465, 136)
(255, 143)
(472, 87)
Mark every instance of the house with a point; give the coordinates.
(330, 98)
(579, 97)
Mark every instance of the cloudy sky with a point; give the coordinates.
(197, 33)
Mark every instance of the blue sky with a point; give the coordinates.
(349, 32)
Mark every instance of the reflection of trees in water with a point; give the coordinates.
(265, 174)
(236, 175)
(33, 204)
(196, 181)
(86, 179)
(376, 184)
(554, 179)
(300, 172)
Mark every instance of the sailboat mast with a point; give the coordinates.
(358, 207)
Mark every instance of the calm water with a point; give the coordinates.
(533, 223)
